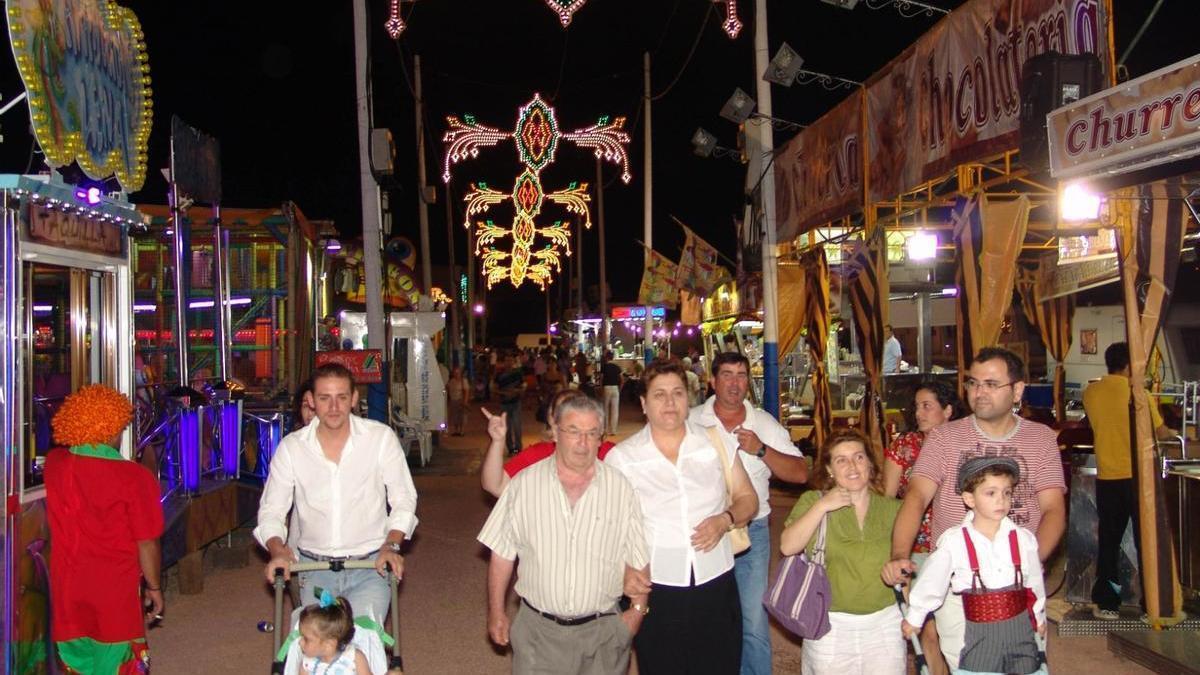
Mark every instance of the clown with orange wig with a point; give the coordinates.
(105, 521)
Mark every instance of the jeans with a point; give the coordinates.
(513, 440)
(750, 569)
(612, 406)
(367, 592)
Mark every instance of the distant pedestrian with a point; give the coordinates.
(612, 378)
(510, 383)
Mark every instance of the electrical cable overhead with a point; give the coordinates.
(695, 43)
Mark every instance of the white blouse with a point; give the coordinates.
(675, 498)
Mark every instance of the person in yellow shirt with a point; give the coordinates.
(1106, 402)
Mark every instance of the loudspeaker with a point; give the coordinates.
(383, 152)
(1048, 81)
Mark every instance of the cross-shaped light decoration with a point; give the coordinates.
(537, 137)
(731, 24)
(565, 8)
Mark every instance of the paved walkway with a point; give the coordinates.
(443, 596)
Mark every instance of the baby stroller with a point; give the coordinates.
(369, 637)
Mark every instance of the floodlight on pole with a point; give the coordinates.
(740, 107)
(704, 144)
(787, 67)
(906, 8)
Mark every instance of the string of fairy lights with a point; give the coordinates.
(566, 9)
(537, 137)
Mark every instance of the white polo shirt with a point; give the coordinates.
(769, 431)
(675, 498)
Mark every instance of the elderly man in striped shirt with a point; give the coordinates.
(575, 524)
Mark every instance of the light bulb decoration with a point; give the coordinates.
(565, 9)
(395, 23)
(731, 25)
(537, 137)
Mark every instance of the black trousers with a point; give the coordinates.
(694, 631)
(1116, 506)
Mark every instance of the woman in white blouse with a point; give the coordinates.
(695, 625)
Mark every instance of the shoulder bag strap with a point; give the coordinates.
(715, 437)
(975, 579)
(819, 547)
(1015, 550)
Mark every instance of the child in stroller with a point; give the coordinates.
(327, 639)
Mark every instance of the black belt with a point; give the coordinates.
(578, 621)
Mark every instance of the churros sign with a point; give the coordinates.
(1144, 122)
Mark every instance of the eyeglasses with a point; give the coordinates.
(577, 435)
(987, 385)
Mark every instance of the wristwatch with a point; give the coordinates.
(394, 547)
(762, 452)
(640, 608)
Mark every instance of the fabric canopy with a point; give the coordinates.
(792, 297)
(816, 324)
(1053, 319)
(1151, 238)
(986, 268)
(868, 276)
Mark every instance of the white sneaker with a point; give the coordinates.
(1106, 614)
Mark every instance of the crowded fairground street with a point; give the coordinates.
(600, 337)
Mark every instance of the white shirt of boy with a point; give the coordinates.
(949, 566)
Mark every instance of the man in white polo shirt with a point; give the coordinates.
(353, 494)
(575, 523)
(766, 449)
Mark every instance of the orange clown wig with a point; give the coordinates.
(93, 415)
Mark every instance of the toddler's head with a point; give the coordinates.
(326, 628)
(986, 485)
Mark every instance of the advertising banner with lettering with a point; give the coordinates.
(1141, 123)
(954, 96)
(75, 231)
(85, 70)
(364, 364)
(818, 174)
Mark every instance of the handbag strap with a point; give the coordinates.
(819, 547)
(715, 437)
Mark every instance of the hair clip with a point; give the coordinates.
(327, 598)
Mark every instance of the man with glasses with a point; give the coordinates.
(575, 523)
(766, 449)
(995, 384)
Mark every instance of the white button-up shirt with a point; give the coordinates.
(768, 430)
(675, 498)
(949, 567)
(342, 509)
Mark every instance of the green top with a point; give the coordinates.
(97, 450)
(854, 557)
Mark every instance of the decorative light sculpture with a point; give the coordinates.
(395, 23)
(565, 8)
(731, 25)
(537, 137)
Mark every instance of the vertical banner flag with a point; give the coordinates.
(658, 282)
(698, 270)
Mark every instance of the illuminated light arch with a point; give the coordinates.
(537, 137)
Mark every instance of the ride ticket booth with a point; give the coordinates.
(65, 321)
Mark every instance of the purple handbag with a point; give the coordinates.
(800, 595)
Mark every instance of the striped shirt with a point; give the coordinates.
(1034, 447)
(572, 559)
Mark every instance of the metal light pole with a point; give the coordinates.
(371, 217)
(456, 304)
(426, 267)
(648, 203)
(767, 142)
(603, 263)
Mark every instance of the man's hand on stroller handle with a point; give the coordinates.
(281, 560)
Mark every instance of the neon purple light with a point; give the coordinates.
(189, 448)
(231, 437)
(88, 195)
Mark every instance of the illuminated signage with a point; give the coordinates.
(627, 312)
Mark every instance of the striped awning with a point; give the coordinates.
(816, 314)
(1053, 320)
(867, 274)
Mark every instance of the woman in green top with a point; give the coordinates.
(865, 635)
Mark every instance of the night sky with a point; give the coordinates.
(274, 82)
